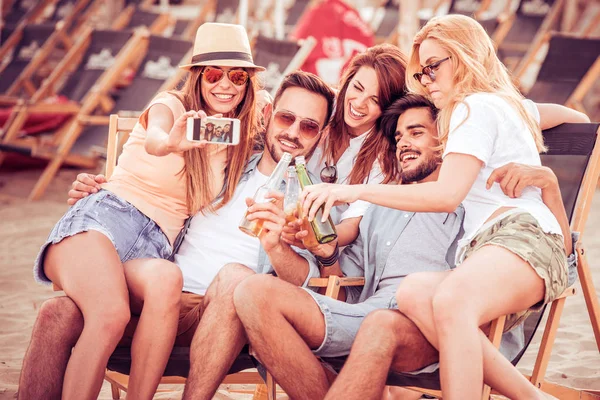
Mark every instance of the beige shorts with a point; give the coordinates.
(521, 234)
(190, 312)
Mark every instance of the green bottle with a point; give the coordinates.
(324, 231)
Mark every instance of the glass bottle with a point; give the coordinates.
(324, 231)
(273, 184)
(291, 206)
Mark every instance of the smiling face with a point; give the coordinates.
(361, 103)
(222, 97)
(303, 104)
(416, 138)
(439, 90)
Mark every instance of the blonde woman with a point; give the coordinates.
(98, 252)
(512, 258)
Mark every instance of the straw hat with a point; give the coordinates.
(222, 45)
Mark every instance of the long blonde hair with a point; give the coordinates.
(197, 169)
(476, 67)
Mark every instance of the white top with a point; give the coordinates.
(494, 132)
(214, 240)
(344, 167)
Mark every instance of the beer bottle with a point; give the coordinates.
(273, 184)
(324, 231)
(291, 205)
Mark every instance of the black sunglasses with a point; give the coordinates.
(329, 173)
(213, 75)
(429, 70)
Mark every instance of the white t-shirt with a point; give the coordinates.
(494, 132)
(214, 240)
(344, 167)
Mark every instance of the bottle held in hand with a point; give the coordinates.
(292, 208)
(324, 232)
(254, 227)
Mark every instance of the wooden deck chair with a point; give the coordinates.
(179, 362)
(294, 13)
(133, 17)
(568, 72)
(280, 57)
(158, 71)
(385, 22)
(107, 54)
(533, 19)
(21, 76)
(574, 155)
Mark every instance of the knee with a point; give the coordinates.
(449, 304)
(381, 324)
(110, 319)
(164, 282)
(252, 294)
(413, 295)
(226, 281)
(60, 314)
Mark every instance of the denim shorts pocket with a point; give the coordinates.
(114, 202)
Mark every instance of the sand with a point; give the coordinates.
(24, 226)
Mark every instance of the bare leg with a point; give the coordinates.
(283, 324)
(155, 291)
(55, 332)
(219, 337)
(88, 269)
(502, 283)
(386, 339)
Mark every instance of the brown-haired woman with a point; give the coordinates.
(108, 251)
(354, 150)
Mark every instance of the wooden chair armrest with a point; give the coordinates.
(334, 283)
(567, 293)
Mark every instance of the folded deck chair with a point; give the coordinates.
(532, 21)
(574, 156)
(568, 72)
(107, 55)
(178, 365)
(280, 57)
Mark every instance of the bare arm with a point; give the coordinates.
(552, 115)
(443, 195)
(513, 178)
(165, 135)
(348, 230)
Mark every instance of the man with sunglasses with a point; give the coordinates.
(214, 256)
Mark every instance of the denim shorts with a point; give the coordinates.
(133, 234)
(342, 321)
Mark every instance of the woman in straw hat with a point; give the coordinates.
(513, 255)
(95, 253)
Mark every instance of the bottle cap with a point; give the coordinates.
(292, 170)
(287, 157)
(300, 160)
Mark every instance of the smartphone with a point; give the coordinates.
(214, 130)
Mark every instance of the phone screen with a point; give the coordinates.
(214, 130)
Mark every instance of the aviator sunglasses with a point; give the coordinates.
(429, 70)
(309, 129)
(213, 75)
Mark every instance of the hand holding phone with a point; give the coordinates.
(214, 130)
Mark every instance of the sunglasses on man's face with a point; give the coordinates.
(429, 70)
(237, 76)
(309, 129)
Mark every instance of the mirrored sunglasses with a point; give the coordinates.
(237, 76)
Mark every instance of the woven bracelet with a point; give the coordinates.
(332, 259)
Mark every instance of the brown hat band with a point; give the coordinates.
(222, 55)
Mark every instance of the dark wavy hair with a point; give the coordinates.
(389, 117)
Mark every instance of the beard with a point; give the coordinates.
(422, 171)
(270, 142)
